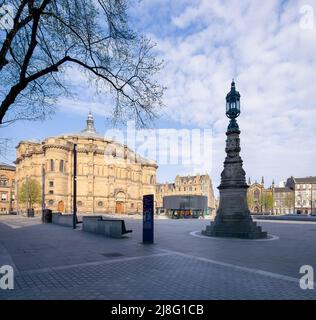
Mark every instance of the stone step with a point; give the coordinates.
(241, 235)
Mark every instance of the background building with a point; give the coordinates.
(185, 206)
(187, 185)
(260, 199)
(271, 200)
(305, 194)
(283, 200)
(7, 188)
(296, 195)
(110, 177)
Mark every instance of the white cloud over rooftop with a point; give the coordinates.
(263, 46)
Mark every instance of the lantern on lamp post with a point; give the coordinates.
(233, 107)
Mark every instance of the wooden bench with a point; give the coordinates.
(113, 228)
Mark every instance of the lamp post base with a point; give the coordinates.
(233, 218)
(234, 228)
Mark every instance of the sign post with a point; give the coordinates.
(74, 222)
(148, 219)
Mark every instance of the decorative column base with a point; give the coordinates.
(233, 218)
(235, 228)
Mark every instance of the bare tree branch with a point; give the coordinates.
(48, 35)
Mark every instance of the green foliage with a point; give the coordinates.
(265, 201)
(289, 200)
(30, 192)
(268, 201)
(250, 200)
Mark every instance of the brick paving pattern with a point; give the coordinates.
(102, 268)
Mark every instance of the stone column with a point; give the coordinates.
(233, 217)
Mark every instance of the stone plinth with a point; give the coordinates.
(233, 217)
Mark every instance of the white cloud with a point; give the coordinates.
(261, 44)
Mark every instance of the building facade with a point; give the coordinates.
(296, 195)
(272, 200)
(110, 177)
(185, 206)
(7, 188)
(305, 194)
(187, 185)
(260, 199)
(283, 198)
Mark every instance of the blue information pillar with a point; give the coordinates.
(148, 218)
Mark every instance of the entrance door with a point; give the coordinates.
(61, 206)
(119, 208)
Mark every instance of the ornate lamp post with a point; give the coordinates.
(233, 217)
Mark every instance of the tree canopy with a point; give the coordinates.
(48, 36)
(30, 193)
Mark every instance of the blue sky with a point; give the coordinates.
(268, 47)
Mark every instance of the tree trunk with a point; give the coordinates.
(10, 98)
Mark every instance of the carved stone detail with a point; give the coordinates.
(233, 217)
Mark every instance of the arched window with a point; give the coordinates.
(52, 165)
(152, 179)
(3, 181)
(256, 195)
(61, 166)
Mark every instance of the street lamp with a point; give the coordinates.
(27, 193)
(233, 218)
(74, 222)
(233, 107)
(311, 198)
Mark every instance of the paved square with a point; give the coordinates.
(55, 262)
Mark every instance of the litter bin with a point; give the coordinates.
(30, 213)
(47, 216)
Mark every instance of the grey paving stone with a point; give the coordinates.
(59, 263)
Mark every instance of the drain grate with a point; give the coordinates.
(112, 254)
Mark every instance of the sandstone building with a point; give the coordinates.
(7, 188)
(187, 185)
(110, 177)
(304, 194)
(256, 197)
(272, 200)
(283, 200)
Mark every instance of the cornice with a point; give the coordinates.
(56, 146)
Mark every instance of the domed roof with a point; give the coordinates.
(89, 131)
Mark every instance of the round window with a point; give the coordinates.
(100, 204)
